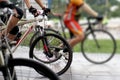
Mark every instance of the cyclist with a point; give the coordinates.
(72, 24)
(11, 29)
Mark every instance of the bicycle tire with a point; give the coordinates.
(39, 55)
(36, 34)
(22, 63)
(88, 46)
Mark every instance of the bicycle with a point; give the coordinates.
(51, 49)
(16, 68)
(25, 33)
(48, 32)
(97, 43)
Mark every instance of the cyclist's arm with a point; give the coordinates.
(38, 1)
(85, 7)
(27, 2)
(40, 4)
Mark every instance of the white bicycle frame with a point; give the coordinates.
(35, 21)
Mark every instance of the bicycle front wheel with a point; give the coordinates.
(62, 55)
(37, 34)
(98, 46)
(25, 69)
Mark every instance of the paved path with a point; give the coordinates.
(81, 69)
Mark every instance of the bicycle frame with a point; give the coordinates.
(8, 71)
(23, 37)
(34, 21)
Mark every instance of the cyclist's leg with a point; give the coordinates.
(75, 28)
(13, 20)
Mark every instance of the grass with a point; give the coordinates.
(106, 47)
(27, 40)
(90, 47)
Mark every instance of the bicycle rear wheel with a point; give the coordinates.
(98, 46)
(61, 59)
(25, 69)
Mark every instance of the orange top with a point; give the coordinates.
(69, 17)
(76, 2)
(72, 8)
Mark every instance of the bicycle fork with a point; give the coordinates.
(94, 37)
(47, 50)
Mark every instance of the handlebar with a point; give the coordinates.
(97, 20)
(90, 21)
(33, 20)
(91, 17)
